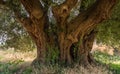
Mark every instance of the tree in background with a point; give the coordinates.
(71, 37)
(108, 31)
(12, 35)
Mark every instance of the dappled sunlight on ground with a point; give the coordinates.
(103, 48)
(116, 62)
(8, 55)
(11, 61)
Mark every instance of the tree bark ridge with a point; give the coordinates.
(89, 19)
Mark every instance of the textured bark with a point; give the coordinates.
(78, 28)
(79, 32)
(61, 13)
(88, 20)
(85, 47)
(38, 22)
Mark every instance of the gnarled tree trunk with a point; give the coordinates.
(79, 30)
(79, 33)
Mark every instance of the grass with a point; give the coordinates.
(112, 61)
(115, 68)
(12, 62)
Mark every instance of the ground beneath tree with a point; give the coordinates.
(12, 62)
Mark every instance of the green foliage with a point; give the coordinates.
(52, 54)
(10, 67)
(86, 3)
(108, 32)
(12, 34)
(115, 68)
(27, 71)
(21, 43)
(109, 60)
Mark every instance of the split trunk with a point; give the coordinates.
(72, 40)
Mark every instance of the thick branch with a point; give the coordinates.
(33, 7)
(86, 21)
(25, 21)
(62, 11)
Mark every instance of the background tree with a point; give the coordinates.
(12, 35)
(112, 26)
(72, 37)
